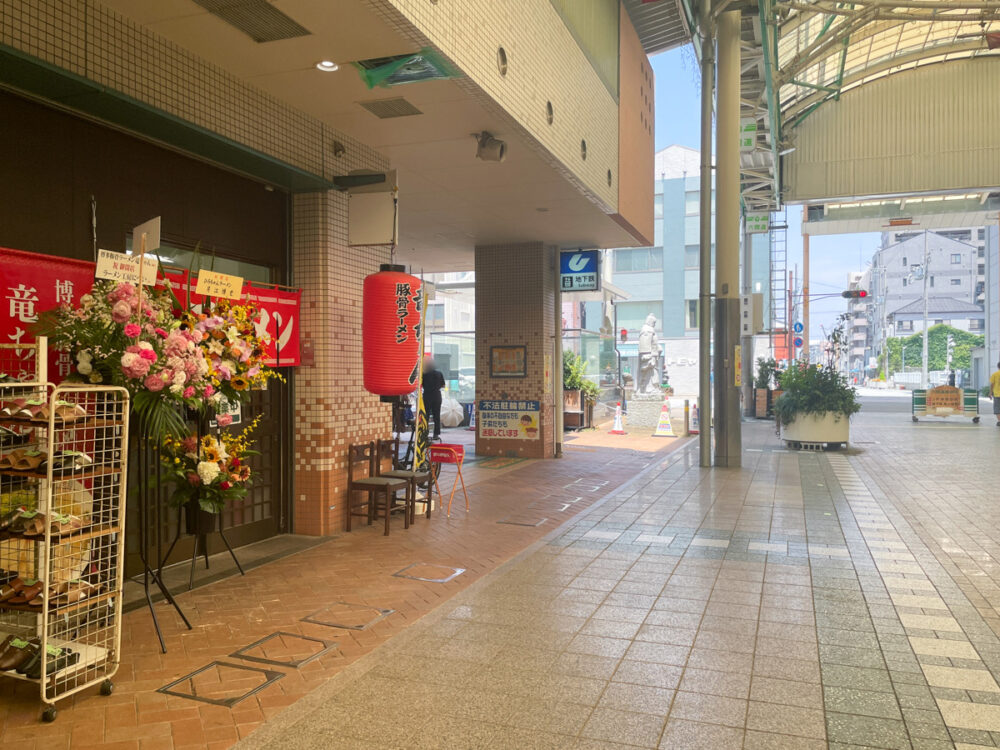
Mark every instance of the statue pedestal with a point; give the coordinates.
(643, 411)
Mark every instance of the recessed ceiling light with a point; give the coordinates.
(542, 210)
(327, 66)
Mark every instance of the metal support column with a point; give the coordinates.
(728, 447)
(557, 358)
(746, 339)
(705, 238)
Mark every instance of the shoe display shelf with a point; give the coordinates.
(63, 481)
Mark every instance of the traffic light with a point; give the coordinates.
(854, 294)
(624, 334)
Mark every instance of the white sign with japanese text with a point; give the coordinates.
(125, 268)
(508, 420)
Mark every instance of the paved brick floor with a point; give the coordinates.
(842, 600)
(345, 582)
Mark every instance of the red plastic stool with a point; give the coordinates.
(450, 453)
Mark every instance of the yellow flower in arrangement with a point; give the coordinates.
(211, 454)
(239, 383)
(207, 441)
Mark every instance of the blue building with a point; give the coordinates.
(663, 279)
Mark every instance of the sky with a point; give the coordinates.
(678, 106)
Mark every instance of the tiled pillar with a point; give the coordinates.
(515, 306)
(332, 408)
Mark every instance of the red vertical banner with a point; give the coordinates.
(32, 283)
(280, 317)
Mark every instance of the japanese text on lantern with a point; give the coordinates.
(402, 302)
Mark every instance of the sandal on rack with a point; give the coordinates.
(75, 591)
(29, 460)
(12, 589)
(57, 660)
(13, 407)
(67, 411)
(66, 462)
(9, 438)
(11, 517)
(25, 520)
(8, 460)
(58, 526)
(19, 652)
(29, 591)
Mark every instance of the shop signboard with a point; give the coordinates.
(748, 133)
(33, 283)
(758, 223)
(508, 420)
(233, 409)
(579, 271)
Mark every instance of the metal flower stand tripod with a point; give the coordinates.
(198, 525)
(150, 509)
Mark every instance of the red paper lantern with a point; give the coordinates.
(391, 322)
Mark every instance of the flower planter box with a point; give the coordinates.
(829, 428)
(762, 402)
(197, 521)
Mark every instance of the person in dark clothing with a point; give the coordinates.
(433, 382)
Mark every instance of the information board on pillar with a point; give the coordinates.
(508, 420)
(579, 271)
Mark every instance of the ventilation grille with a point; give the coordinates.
(258, 19)
(386, 108)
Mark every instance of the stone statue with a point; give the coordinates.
(649, 360)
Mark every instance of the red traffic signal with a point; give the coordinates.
(624, 334)
(854, 294)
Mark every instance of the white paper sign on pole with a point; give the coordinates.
(125, 268)
(151, 229)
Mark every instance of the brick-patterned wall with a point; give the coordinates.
(544, 64)
(332, 408)
(515, 305)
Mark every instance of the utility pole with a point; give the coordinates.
(927, 274)
(805, 289)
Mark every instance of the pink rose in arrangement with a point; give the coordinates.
(209, 390)
(154, 383)
(224, 420)
(148, 354)
(189, 392)
(133, 365)
(121, 311)
(132, 330)
(160, 332)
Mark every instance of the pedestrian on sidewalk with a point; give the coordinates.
(433, 382)
(995, 392)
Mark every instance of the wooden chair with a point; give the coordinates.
(373, 485)
(390, 449)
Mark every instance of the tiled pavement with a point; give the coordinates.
(347, 581)
(842, 600)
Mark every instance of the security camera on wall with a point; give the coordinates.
(489, 148)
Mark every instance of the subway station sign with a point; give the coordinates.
(580, 271)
